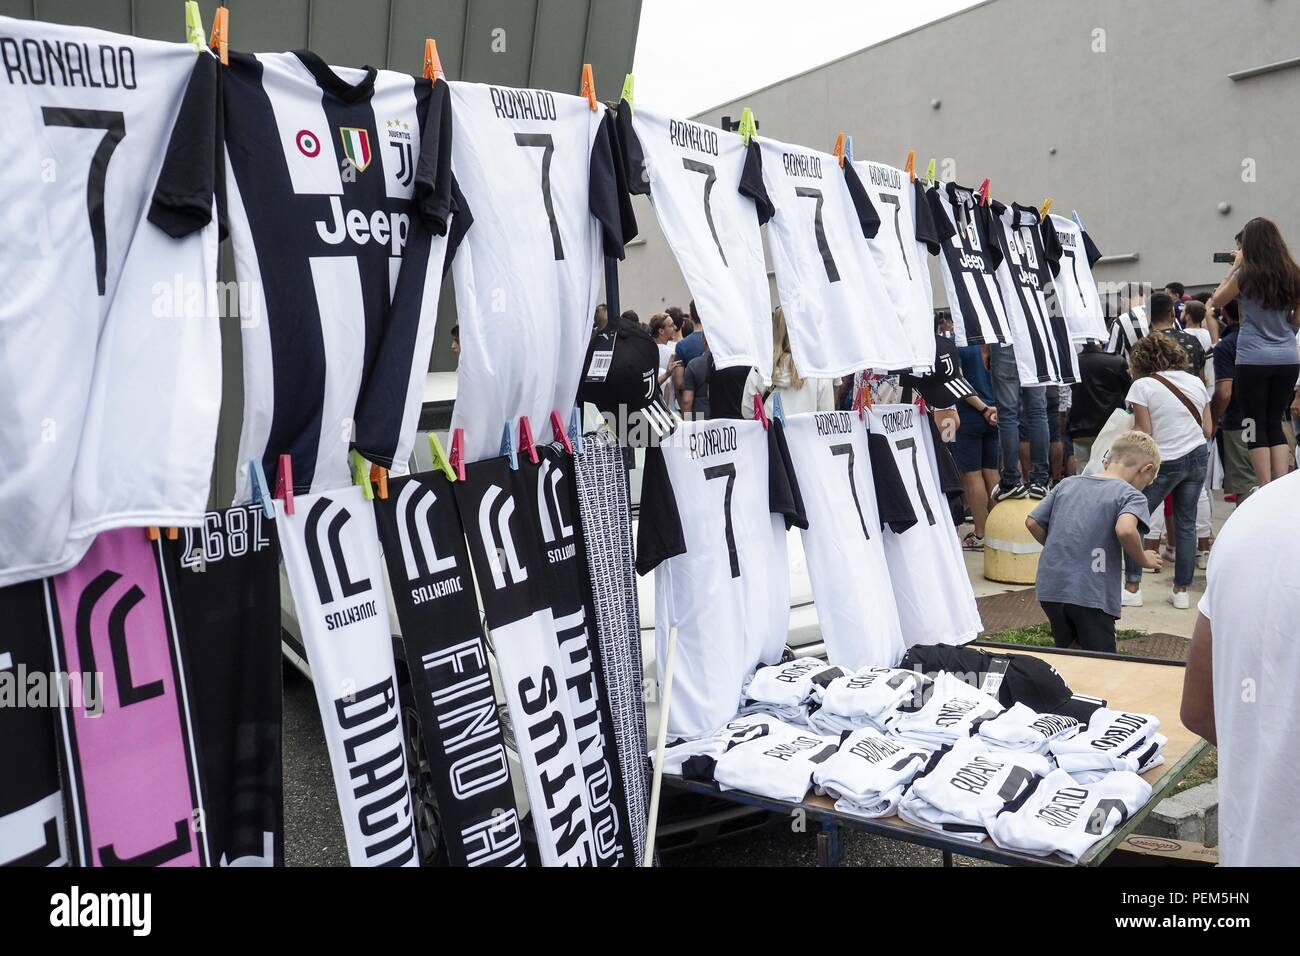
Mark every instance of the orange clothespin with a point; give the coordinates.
(284, 483)
(760, 413)
(379, 476)
(457, 457)
(910, 167)
(984, 193)
(526, 438)
(220, 38)
(838, 150)
(432, 64)
(152, 533)
(560, 433)
(588, 88)
(173, 534)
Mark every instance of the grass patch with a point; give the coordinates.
(1040, 635)
(1203, 771)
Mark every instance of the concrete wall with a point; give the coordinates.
(1139, 128)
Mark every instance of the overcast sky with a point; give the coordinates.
(694, 54)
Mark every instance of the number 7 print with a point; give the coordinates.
(710, 177)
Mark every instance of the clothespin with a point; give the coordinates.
(760, 413)
(558, 430)
(1045, 208)
(526, 438)
(628, 83)
(361, 474)
(588, 88)
(432, 63)
(1074, 214)
(284, 483)
(778, 409)
(575, 431)
(929, 172)
(748, 129)
(379, 476)
(508, 447)
(173, 534)
(984, 193)
(220, 39)
(152, 532)
(439, 457)
(838, 149)
(910, 166)
(261, 490)
(194, 26)
(457, 458)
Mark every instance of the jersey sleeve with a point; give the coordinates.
(943, 227)
(1090, 249)
(892, 500)
(608, 199)
(187, 182)
(868, 218)
(659, 533)
(631, 154)
(1051, 245)
(992, 234)
(751, 183)
(433, 196)
(949, 473)
(784, 497)
(927, 230)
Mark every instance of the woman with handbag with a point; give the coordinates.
(1171, 405)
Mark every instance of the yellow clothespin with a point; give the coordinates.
(929, 172)
(628, 83)
(440, 460)
(361, 474)
(432, 64)
(838, 149)
(910, 166)
(194, 26)
(1045, 208)
(748, 129)
(588, 88)
(220, 39)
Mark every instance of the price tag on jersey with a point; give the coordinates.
(996, 674)
(602, 357)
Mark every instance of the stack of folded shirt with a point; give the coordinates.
(785, 690)
(966, 784)
(951, 713)
(1024, 730)
(1114, 740)
(778, 764)
(869, 772)
(870, 697)
(1064, 816)
(746, 727)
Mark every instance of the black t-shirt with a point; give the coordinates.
(944, 386)
(1102, 387)
(1225, 367)
(1191, 345)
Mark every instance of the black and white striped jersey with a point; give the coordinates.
(334, 178)
(1044, 352)
(1129, 329)
(970, 256)
(1071, 254)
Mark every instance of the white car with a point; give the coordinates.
(685, 819)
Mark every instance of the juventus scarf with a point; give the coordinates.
(331, 554)
(32, 830)
(603, 508)
(112, 616)
(428, 567)
(227, 600)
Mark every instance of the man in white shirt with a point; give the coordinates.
(1242, 668)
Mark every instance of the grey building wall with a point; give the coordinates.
(1138, 127)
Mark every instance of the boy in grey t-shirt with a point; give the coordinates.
(1083, 525)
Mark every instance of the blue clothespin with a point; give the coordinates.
(575, 430)
(778, 410)
(848, 149)
(1074, 214)
(261, 491)
(508, 447)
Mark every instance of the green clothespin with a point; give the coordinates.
(748, 129)
(628, 83)
(929, 172)
(439, 457)
(361, 474)
(194, 34)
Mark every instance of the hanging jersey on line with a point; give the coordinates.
(692, 174)
(970, 258)
(1071, 255)
(110, 349)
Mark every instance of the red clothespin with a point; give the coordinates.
(560, 433)
(838, 150)
(284, 483)
(760, 413)
(588, 88)
(432, 63)
(219, 41)
(984, 193)
(910, 167)
(379, 476)
(457, 457)
(526, 439)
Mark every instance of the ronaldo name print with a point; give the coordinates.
(447, 657)
(331, 555)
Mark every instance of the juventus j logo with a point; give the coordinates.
(415, 524)
(497, 540)
(548, 503)
(128, 692)
(399, 138)
(333, 538)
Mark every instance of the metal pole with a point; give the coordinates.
(661, 736)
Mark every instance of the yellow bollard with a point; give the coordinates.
(1010, 551)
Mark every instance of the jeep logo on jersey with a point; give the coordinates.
(415, 524)
(399, 138)
(329, 538)
(356, 146)
(382, 227)
(496, 532)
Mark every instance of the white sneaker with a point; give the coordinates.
(1180, 599)
(1202, 559)
(1130, 598)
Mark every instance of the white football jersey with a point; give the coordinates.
(714, 503)
(952, 713)
(931, 587)
(869, 773)
(1113, 740)
(790, 683)
(693, 175)
(1024, 729)
(844, 543)
(875, 693)
(778, 765)
(1071, 255)
(1044, 352)
(110, 350)
(1063, 816)
(837, 305)
(536, 176)
(970, 257)
(901, 250)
